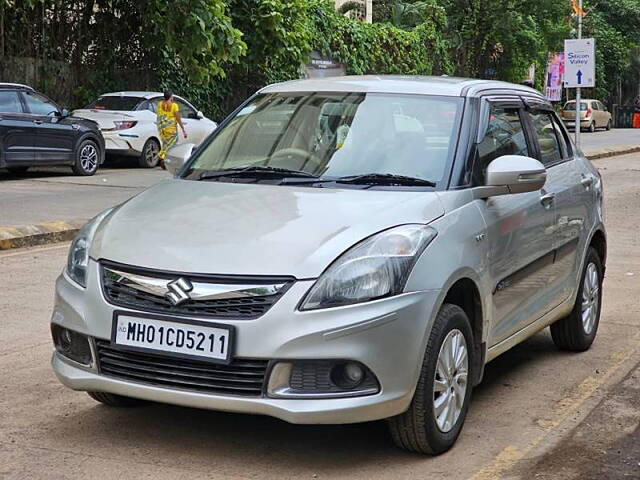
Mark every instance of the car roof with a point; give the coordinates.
(16, 85)
(408, 84)
(132, 93)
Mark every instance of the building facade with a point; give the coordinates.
(365, 13)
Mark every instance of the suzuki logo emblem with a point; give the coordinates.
(178, 291)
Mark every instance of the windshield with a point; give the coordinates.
(572, 106)
(125, 104)
(335, 135)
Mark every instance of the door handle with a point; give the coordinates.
(547, 199)
(38, 122)
(587, 181)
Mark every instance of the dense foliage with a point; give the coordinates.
(217, 52)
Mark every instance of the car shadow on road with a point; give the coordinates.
(246, 442)
(112, 163)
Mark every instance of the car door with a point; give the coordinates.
(195, 127)
(55, 138)
(17, 131)
(606, 116)
(572, 187)
(598, 114)
(519, 229)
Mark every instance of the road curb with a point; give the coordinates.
(611, 152)
(43, 233)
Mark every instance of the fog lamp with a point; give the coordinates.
(72, 345)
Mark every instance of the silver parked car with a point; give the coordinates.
(341, 250)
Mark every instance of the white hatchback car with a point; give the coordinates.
(128, 123)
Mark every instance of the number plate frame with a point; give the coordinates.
(231, 329)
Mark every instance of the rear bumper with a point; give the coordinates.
(583, 123)
(122, 143)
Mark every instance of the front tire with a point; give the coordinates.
(87, 159)
(608, 125)
(149, 156)
(577, 331)
(437, 412)
(113, 400)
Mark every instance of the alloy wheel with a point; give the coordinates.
(89, 158)
(151, 153)
(590, 298)
(450, 381)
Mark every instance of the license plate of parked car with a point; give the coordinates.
(175, 338)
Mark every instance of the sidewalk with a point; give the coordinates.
(64, 203)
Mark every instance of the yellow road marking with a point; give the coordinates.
(511, 455)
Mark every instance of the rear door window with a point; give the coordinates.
(10, 102)
(505, 136)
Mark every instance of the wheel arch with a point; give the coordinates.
(465, 293)
(599, 242)
(95, 138)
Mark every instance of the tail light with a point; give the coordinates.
(124, 125)
(589, 112)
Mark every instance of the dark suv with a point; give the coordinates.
(34, 131)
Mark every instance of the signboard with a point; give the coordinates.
(321, 67)
(554, 78)
(580, 63)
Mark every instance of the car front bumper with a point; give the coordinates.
(388, 336)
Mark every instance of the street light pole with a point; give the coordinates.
(578, 110)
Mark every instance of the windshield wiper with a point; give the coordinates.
(254, 169)
(386, 179)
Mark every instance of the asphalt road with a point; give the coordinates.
(620, 137)
(539, 413)
(53, 194)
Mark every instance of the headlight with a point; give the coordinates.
(78, 258)
(376, 267)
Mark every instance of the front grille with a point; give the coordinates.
(244, 377)
(238, 305)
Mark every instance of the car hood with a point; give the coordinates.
(239, 229)
(104, 118)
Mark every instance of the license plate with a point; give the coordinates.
(180, 338)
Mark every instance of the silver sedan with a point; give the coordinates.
(341, 250)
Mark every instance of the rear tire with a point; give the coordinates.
(17, 170)
(149, 156)
(592, 127)
(421, 429)
(113, 400)
(87, 159)
(577, 331)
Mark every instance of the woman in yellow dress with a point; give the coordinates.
(168, 121)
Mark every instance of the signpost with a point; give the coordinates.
(580, 64)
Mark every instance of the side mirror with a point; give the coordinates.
(178, 156)
(199, 115)
(512, 174)
(64, 112)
